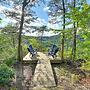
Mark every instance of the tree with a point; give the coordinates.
(20, 8)
(75, 16)
(23, 4)
(74, 38)
(58, 10)
(63, 36)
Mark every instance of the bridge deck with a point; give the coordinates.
(28, 60)
(43, 75)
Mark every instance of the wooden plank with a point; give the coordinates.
(30, 62)
(43, 75)
(28, 57)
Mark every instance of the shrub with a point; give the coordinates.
(10, 61)
(6, 75)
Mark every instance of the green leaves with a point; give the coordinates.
(6, 75)
(6, 47)
(80, 14)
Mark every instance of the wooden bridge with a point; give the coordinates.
(43, 75)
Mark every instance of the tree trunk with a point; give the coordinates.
(19, 38)
(74, 39)
(63, 36)
(74, 44)
(19, 68)
(19, 76)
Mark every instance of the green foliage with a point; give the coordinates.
(24, 49)
(9, 29)
(86, 66)
(80, 14)
(6, 48)
(10, 61)
(83, 44)
(8, 56)
(6, 75)
(36, 43)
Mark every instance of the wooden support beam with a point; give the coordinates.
(55, 61)
(35, 62)
(30, 62)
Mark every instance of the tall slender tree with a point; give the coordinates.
(76, 20)
(25, 2)
(63, 36)
(24, 10)
(74, 38)
(58, 9)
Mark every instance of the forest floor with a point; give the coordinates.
(67, 78)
